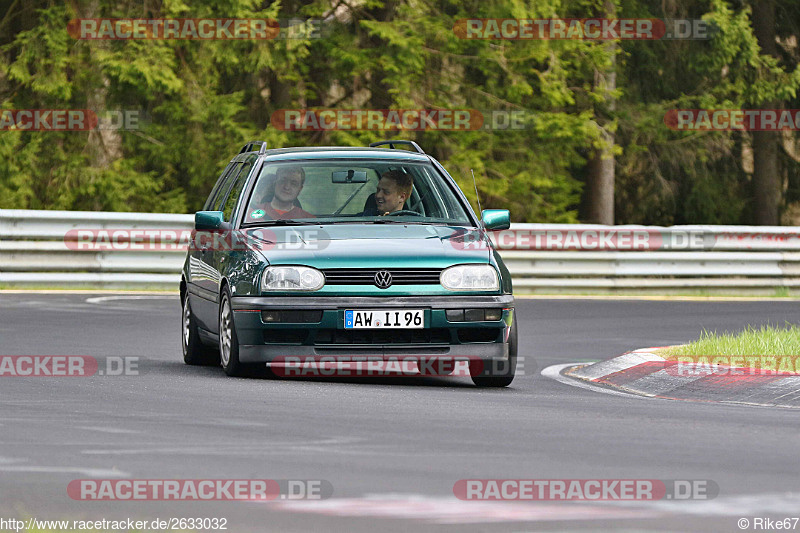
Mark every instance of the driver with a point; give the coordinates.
(394, 188)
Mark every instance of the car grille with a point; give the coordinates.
(366, 276)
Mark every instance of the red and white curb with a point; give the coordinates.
(645, 374)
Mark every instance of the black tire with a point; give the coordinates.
(228, 341)
(194, 351)
(497, 377)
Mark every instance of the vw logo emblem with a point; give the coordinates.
(383, 279)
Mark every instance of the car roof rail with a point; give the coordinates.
(251, 147)
(392, 143)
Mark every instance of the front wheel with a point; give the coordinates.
(228, 341)
(499, 374)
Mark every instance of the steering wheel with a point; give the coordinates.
(403, 212)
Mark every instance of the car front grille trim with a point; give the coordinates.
(366, 276)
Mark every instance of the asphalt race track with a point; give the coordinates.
(391, 448)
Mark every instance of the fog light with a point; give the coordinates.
(271, 316)
(493, 314)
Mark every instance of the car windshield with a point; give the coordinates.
(352, 191)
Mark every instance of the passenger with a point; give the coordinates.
(289, 182)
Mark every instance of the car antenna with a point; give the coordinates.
(477, 197)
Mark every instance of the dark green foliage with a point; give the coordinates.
(199, 101)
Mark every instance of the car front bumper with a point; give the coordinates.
(262, 342)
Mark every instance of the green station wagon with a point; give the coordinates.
(346, 252)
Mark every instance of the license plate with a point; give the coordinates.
(384, 319)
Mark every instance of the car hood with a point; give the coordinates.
(371, 245)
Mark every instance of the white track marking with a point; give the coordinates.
(554, 372)
(89, 472)
(345, 445)
(108, 430)
(101, 299)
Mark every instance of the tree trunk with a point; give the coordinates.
(766, 177)
(104, 145)
(600, 184)
(599, 197)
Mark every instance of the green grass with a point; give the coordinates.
(764, 340)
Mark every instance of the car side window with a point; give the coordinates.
(226, 185)
(217, 187)
(437, 202)
(236, 190)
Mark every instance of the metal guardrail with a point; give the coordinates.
(34, 250)
(593, 257)
(37, 248)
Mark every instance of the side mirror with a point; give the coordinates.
(208, 220)
(496, 218)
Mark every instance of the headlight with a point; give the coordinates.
(466, 277)
(292, 278)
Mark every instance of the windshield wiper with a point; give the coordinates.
(394, 220)
(376, 220)
(341, 221)
(283, 222)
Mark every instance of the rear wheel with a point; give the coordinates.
(497, 374)
(194, 351)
